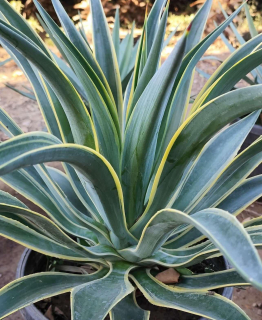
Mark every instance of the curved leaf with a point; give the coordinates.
(76, 38)
(105, 53)
(202, 303)
(216, 156)
(233, 241)
(98, 97)
(61, 179)
(94, 300)
(177, 106)
(41, 93)
(46, 226)
(30, 289)
(32, 186)
(211, 281)
(21, 24)
(152, 63)
(101, 181)
(25, 236)
(115, 35)
(227, 80)
(140, 136)
(79, 119)
(153, 21)
(128, 306)
(238, 55)
(232, 176)
(197, 129)
(244, 195)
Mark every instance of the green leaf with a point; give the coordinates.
(7, 125)
(108, 134)
(170, 260)
(153, 21)
(25, 236)
(101, 181)
(63, 182)
(71, 213)
(94, 300)
(251, 25)
(202, 303)
(78, 186)
(31, 187)
(105, 53)
(6, 198)
(98, 95)
(76, 38)
(29, 183)
(67, 219)
(115, 35)
(46, 226)
(216, 156)
(41, 92)
(128, 306)
(211, 281)
(234, 58)
(2, 63)
(198, 26)
(176, 110)
(233, 241)
(243, 196)
(141, 133)
(128, 106)
(232, 25)
(71, 75)
(82, 28)
(227, 81)
(79, 119)
(126, 53)
(21, 24)
(197, 129)
(36, 192)
(30, 289)
(21, 92)
(169, 38)
(233, 176)
(152, 63)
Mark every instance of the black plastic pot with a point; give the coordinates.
(32, 262)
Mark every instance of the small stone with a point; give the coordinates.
(49, 314)
(259, 312)
(168, 276)
(254, 305)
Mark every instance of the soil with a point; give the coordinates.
(26, 113)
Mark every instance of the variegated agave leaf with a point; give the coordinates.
(149, 179)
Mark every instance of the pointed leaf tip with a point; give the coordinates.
(188, 29)
(146, 13)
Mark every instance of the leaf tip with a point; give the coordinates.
(188, 29)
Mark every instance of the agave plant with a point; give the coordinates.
(149, 181)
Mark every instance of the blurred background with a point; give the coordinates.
(181, 13)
